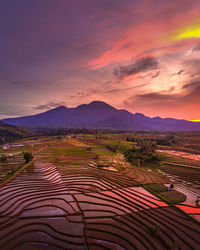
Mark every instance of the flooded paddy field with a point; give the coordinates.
(179, 157)
(180, 174)
(189, 205)
(77, 194)
(181, 167)
(182, 154)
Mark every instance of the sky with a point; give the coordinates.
(138, 55)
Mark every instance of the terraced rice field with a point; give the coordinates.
(37, 211)
(83, 207)
(183, 174)
(189, 206)
(66, 201)
(138, 174)
(181, 158)
(182, 154)
(14, 161)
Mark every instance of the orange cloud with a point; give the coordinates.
(151, 34)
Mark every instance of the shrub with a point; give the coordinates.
(131, 139)
(168, 141)
(28, 156)
(163, 142)
(144, 153)
(3, 159)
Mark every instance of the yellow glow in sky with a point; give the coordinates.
(189, 32)
(196, 120)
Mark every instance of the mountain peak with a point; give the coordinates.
(97, 105)
(140, 114)
(58, 109)
(157, 118)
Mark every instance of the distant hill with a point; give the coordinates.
(10, 132)
(100, 115)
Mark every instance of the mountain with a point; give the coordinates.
(85, 115)
(10, 132)
(99, 114)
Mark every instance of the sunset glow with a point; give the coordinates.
(142, 56)
(191, 32)
(99, 124)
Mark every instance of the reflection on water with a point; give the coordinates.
(7, 146)
(109, 168)
(189, 205)
(182, 154)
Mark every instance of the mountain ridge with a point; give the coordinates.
(100, 115)
(10, 132)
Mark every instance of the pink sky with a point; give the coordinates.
(134, 55)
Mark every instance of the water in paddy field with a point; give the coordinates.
(189, 205)
(7, 146)
(180, 170)
(46, 206)
(182, 154)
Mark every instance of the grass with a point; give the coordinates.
(150, 165)
(99, 152)
(8, 175)
(66, 151)
(174, 196)
(156, 187)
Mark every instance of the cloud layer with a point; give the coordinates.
(138, 55)
(141, 65)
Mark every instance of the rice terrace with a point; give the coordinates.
(80, 192)
(99, 125)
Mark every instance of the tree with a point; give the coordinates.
(28, 157)
(144, 153)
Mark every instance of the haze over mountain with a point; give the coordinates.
(99, 114)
